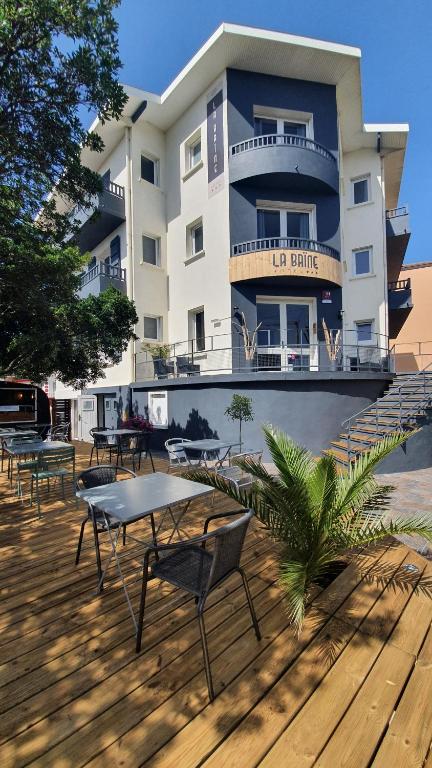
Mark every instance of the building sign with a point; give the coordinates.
(326, 297)
(283, 263)
(215, 143)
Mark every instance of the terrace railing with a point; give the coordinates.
(281, 139)
(294, 243)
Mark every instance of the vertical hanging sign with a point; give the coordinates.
(215, 143)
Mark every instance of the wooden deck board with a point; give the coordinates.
(354, 689)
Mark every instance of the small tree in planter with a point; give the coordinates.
(316, 513)
(240, 410)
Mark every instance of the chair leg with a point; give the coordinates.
(37, 496)
(205, 653)
(151, 459)
(124, 535)
(91, 456)
(78, 552)
(250, 603)
(142, 603)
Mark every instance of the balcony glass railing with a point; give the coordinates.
(281, 140)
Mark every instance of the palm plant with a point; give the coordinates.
(317, 513)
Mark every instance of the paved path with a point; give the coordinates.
(413, 496)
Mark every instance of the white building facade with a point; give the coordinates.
(248, 199)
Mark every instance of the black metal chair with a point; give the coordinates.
(185, 366)
(140, 446)
(190, 566)
(103, 474)
(103, 444)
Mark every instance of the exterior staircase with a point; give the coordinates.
(407, 399)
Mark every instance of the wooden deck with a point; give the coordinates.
(354, 690)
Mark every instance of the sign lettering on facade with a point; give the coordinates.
(279, 262)
(215, 143)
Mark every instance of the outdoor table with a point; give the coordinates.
(6, 435)
(116, 432)
(206, 447)
(32, 449)
(128, 501)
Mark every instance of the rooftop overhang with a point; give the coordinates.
(273, 53)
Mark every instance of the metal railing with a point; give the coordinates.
(404, 414)
(392, 213)
(114, 189)
(262, 359)
(105, 270)
(295, 243)
(400, 285)
(281, 140)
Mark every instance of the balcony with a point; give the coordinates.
(398, 234)
(107, 213)
(273, 158)
(400, 305)
(98, 278)
(307, 261)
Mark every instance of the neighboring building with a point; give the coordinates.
(412, 345)
(250, 187)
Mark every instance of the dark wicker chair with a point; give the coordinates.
(103, 474)
(103, 444)
(190, 566)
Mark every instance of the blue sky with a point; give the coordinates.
(157, 38)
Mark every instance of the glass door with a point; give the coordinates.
(286, 334)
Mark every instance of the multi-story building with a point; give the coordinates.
(248, 197)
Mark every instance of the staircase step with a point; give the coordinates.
(340, 456)
(358, 437)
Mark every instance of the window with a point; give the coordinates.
(360, 190)
(106, 178)
(285, 222)
(263, 126)
(362, 262)
(364, 331)
(151, 250)
(197, 329)
(193, 152)
(115, 253)
(150, 170)
(152, 328)
(195, 239)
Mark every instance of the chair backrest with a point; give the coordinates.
(103, 474)
(61, 431)
(228, 545)
(55, 458)
(176, 453)
(23, 440)
(142, 444)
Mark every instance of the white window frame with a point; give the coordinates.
(158, 319)
(286, 116)
(283, 208)
(354, 274)
(364, 322)
(364, 177)
(158, 249)
(156, 162)
(190, 240)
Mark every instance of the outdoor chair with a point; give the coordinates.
(184, 366)
(177, 455)
(163, 368)
(51, 464)
(60, 432)
(190, 566)
(140, 446)
(18, 440)
(105, 445)
(234, 474)
(104, 474)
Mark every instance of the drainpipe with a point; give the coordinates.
(129, 239)
(384, 236)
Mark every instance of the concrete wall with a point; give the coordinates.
(414, 341)
(416, 453)
(309, 408)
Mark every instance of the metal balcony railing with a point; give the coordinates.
(281, 140)
(115, 189)
(268, 243)
(101, 269)
(392, 213)
(400, 285)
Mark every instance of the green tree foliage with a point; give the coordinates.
(57, 57)
(317, 514)
(240, 410)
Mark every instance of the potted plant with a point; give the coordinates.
(317, 514)
(240, 410)
(249, 339)
(333, 345)
(137, 422)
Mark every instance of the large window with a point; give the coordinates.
(151, 250)
(362, 262)
(360, 190)
(284, 223)
(197, 329)
(152, 328)
(150, 169)
(270, 125)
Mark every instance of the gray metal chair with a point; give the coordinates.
(177, 455)
(93, 477)
(192, 567)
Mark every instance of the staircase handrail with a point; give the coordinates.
(389, 395)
